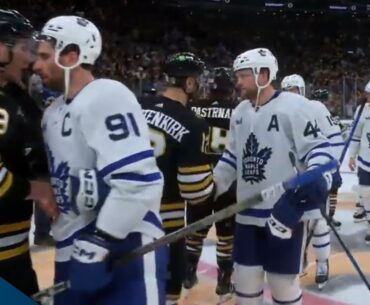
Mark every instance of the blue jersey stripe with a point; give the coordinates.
(258, 213)
(320, 154)
(364, 162)
(232, 164)
(334, 135)
(230, 154)
(126, 161)
(138, 177)
(322, 145)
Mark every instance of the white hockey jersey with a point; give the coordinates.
(329, 127)
(264, 146)
(360, 143)
(103, 128)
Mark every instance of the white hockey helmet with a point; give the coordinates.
(294, 80)
(68, 30)
(367, 87)
(257, 59)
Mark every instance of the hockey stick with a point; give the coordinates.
(348, 252)
(274, 191)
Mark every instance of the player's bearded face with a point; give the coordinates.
(246, 84)
(45, 66)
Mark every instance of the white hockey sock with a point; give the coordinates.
(321, 241)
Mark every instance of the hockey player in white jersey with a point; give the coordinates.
(104, 174)
(359, 149)
(265, 135)
(330, 128)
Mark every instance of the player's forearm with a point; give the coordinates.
(354, 147)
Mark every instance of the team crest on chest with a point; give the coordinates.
(254, 160)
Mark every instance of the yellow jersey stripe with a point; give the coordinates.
(194, 169)
(6, 184)
(172, 206)
(196, 187)
(228, 247)
(173, 223)
(230, 237)
(13, 227)
(14, 252)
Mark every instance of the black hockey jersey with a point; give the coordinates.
(217, 113)
(179, 140)
(22, 158)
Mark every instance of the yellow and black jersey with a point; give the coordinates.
(217, 113)
(22, 158)
(179, 140)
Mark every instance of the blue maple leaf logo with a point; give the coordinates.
(59, 180)
(254, 160)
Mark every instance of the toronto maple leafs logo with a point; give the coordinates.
(59, 180)
(254, 160)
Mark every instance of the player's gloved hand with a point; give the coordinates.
(88, 191)
(316, 193)
(285, 215)
(337, 180)
(91, 263)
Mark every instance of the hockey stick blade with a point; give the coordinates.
(274, 191)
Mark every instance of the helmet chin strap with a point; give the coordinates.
(67, 71)
(259, 89)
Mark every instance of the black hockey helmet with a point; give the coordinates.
(222, 79)
(183, 64)
(321, 95)
(13, 26)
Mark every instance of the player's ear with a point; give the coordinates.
(189, 84)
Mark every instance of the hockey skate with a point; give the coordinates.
(191, 278)
(225, 288)
(322, 274)
(337, 224)
(360, 214)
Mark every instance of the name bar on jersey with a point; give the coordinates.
(213, 112)
(166, 123)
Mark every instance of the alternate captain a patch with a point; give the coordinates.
(254, 160)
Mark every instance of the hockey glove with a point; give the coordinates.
(285, 215)
(88, 191)
(316, 193)
(91, 262)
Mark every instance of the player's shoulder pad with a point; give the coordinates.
(193, 122)
(243, 106)
(103, 92)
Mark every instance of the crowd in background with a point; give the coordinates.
(329, 50)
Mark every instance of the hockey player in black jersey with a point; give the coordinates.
(179, 140)
(216, 110)
(23, 159)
